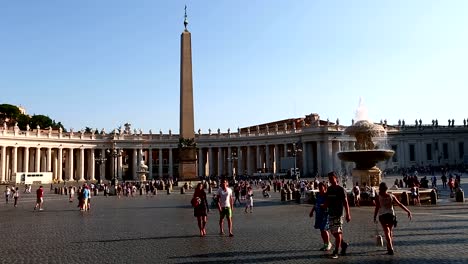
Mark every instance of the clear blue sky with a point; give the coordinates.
(104, 63)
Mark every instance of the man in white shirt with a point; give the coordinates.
(225, 206)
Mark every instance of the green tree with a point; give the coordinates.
(23, 120)
(42, 121)
(9, 113)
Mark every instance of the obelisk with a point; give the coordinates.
(187, 147)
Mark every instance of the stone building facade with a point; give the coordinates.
(80, 156)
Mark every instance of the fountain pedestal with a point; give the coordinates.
(372, 176)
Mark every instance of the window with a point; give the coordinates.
(412, 153)
(429, 151)
(445, 150)
(395, 158)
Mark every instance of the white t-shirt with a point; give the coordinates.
(225, 197)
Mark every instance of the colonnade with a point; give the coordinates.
(82, 163)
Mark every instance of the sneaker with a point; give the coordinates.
(326, 247)
(344, 246)
(390, 252)
(334, 255)
(41, 209)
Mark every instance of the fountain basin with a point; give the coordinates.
(366, 159)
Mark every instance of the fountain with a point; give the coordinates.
(368, 150)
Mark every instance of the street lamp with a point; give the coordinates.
(115, 153)
(99, 161)
(295, 149)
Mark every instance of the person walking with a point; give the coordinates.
(200, 209)
(249, 199)
(16, 196)
(7, 194)
(321, 217)
(335, 202)
(225, 206)
(387, 218)
(39, 198)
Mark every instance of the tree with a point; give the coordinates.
(42, 121)
(23, 120)
(9, 113)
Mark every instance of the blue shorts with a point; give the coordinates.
(321, 222)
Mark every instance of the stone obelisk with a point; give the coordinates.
(187, 147)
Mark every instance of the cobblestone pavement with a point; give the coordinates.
(162, 229)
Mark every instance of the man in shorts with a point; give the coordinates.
(335, 202)
(39, 198)
(225, 206)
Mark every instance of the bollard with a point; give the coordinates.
(433, 197)
(283, 195)
(298, 197)
(168, 191)
(460, 196)
(404, 199)
(56, 190)
(182, 190)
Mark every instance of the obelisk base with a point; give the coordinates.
(187, 164)
(188, 171)
(372, 176)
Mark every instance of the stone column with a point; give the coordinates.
(37, 160)
(60, 164)
(26, 159)
(14, 163)
(102, 167)
(4, 170)
(230, 161)
(220, 162)
(257, 157)
(171, 164)
(210, 160)
(119, 166)
(305, 163)
(285, 151)
(135, 165)
(150, 164)
(267, 159)
(92, 165)
(81, 164)
(160, 164)
(200, 162)
(249, 160)
(49, 160)
(319, 159)
(277, 159)
(240, 161)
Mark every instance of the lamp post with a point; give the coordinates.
(295, 149)
(231, 159)
(99, 161)
(115, 153)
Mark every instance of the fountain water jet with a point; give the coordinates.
(367, 151)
